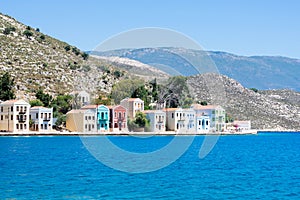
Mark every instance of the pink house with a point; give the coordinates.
(118, 118)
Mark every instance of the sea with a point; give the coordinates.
(262, 166)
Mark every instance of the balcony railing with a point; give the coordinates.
(46, 119)
(22, 111)
(21, 120)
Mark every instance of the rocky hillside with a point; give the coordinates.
(36, 60)
(266, 109)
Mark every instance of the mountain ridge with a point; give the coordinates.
(261, 72)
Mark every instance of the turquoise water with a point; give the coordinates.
(266, 166)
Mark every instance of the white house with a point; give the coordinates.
(83, 120)
(82, 98)
(42, 118)
(133, 105)
(242, 125)
(175, 119)
(190, 120)
(14, 116)
(202, 124)
(216, 115)
(157, 120)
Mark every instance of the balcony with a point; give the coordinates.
(22, 120)
(46, 119)
(22, 112)
(121, 119)
(181, 118)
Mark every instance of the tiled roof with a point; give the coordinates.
(14, 101)
(89, 107)
(200, 107)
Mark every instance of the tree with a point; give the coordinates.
(44, 98)
(7, 30)
(67, 48)
(28, 33)
(85, 55)
(140, 119)
(6, 87)
(254, 89)
(36, 102)
(42, 37)
(62, 104)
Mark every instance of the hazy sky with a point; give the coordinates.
(254, 27)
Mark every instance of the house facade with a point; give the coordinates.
(118, 118)
(175, 119)
(133, 105)
(202, 124)
(216, 116)
(190, 120)
(242, 125)
(81, 121)
(82, 98)
(102, 116)
(42, 118)
(157, 120)
(14, 116)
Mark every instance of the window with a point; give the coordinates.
(11, 117)
(25, 127)
(21, 126)
(49, 115)
(11, 108)
(17, 108)
(86, 118)
(172, 115)
(29, 116)
(17, 126)
(213, 112)
(115, 114)
(18, 117)
(1, 117)
(86, 126)
(42, 115)
(90, 117)
(93, 117)
(93, 126)
(1, 109)
(36, 115)
(42, 126)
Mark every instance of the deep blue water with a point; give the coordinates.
(266, 166)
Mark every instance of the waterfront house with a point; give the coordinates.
(133, 105)
(81, 98)
(175, 119)
(41, 118)
(216, 116)
(83, 120)
(202, 123)
(190, 120)
(102, 116)
(242, 125)
(118, 118)
(14, 116)
(157, 120)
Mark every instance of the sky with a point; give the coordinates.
(254, 27)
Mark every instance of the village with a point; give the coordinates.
(18, 117)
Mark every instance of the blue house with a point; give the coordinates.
(103, 118)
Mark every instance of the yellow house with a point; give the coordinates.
(81, 121)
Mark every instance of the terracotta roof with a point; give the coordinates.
(76, 111)
(151, 111)
(36, 107)
(13, 101)
(89, 107)
(170, 109)
(134, 99)
(200, 107)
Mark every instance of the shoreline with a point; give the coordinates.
(166, 133)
